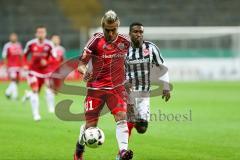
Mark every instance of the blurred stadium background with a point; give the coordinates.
(200, 40)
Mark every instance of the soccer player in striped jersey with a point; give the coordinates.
(105, 53)
(142, 55)
(12, 55)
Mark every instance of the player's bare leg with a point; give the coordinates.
(122, 136)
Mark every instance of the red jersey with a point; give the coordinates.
(13, 52)
(54, 63)
(40, 53)
(106, 60)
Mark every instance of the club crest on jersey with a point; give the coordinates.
(46, 48)
(146, 52)
(121, 46)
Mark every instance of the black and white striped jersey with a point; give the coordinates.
(139, 62)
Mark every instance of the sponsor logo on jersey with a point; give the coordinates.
(113, 56)
(121, 46)
(137, 61)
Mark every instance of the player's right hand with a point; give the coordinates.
(88, 76)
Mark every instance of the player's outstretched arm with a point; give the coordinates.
(87, 76)
(82, 67)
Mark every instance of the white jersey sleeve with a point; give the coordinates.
(5, 50)
(158, 61)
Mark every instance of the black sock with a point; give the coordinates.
(79, 148)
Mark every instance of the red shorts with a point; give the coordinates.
(36, 82)
(96, 99)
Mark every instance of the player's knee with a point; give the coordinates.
(141, 126)
(141, 130)
(120, 116)
(14, 80)
(91, 124)
(35, 90)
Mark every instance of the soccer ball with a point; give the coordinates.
(93, 137)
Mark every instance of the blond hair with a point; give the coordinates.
(109, 18)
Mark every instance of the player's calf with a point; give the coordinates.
(78, 155)
(122, 137)
(80, 146)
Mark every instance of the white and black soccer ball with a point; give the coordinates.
(93, 137)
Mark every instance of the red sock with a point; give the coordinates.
(130, 127)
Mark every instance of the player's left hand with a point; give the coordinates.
(166, 95)
(128, 87)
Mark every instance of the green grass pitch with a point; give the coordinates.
(211, 133)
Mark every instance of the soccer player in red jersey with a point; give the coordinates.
(40, 50)
(12, 55)
(53, 65)
(105, 56)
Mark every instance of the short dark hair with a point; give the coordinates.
(134, 24)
